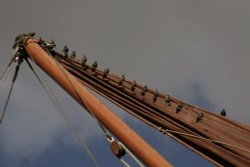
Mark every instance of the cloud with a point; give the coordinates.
(33, 124)
(195, 50)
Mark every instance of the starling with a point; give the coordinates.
(121, 80)
(133, 85)
(84, 60)
(167, 99)
(155, 96)
(31, 34)
(106, 72)
(94, 66)
(73, 55)
(179, 108)
(50, 45)
(223, 112)
(66, 50)
(144, 90)
(199, 117)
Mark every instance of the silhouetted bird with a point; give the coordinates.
(167, 99)
(155, 95)
(50, 45)
(144, 90)
(94, 66)
(133, 85)
(121, 80)
(223, 112)
(179, 108)
(105, 73)
(199, 117)
(31, 34)
(84, 59)
(65, 50)
(73, 55)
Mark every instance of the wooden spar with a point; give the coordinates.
(87, 99)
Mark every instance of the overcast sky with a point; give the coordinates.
(196, 50)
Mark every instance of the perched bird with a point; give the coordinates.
(167, 99)
(155, 96)
(94, 66)
(199, 117)
(50, 45)
(21, 37)
(66, 50)
(73, 55)
(84, 59)
(223, 112)
(144, 90)
(52, 42)
(133, 85)
(31, 34)
(179, 108)
(121, 80)
(105, 73)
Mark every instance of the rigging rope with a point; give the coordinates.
(190, 115)
(93, 115)
(98, 122)
(66, 118)
(7, 68)
(200, 137)
(11, 89)
(110, 88)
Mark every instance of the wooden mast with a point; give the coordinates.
(88, 100)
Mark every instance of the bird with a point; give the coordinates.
(179, 108)
(66, 50)
(50, 45)
(21, 38)
(155, 95)
(73, 55)
(31, 34)
(94, 66)
(199, 117)
(167, 99)
(105, 73)
(121, 80)
(84, 59)
(144, 90)
(133, 85)
(223, 112)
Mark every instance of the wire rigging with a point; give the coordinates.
(10, 91)
(98, 122)
(65, 116)
(190, 115)
(7, 68)
(153, 109)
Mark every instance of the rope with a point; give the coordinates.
(124, 162)
(190, 115)
(66, 118)
(5, 76)
(93, 115)
(7, 68)
(132, 155)
(11, 89)
(82, 100)
(102, 127)
(200, 137)
(219, 127)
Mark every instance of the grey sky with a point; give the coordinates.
(197, 50)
